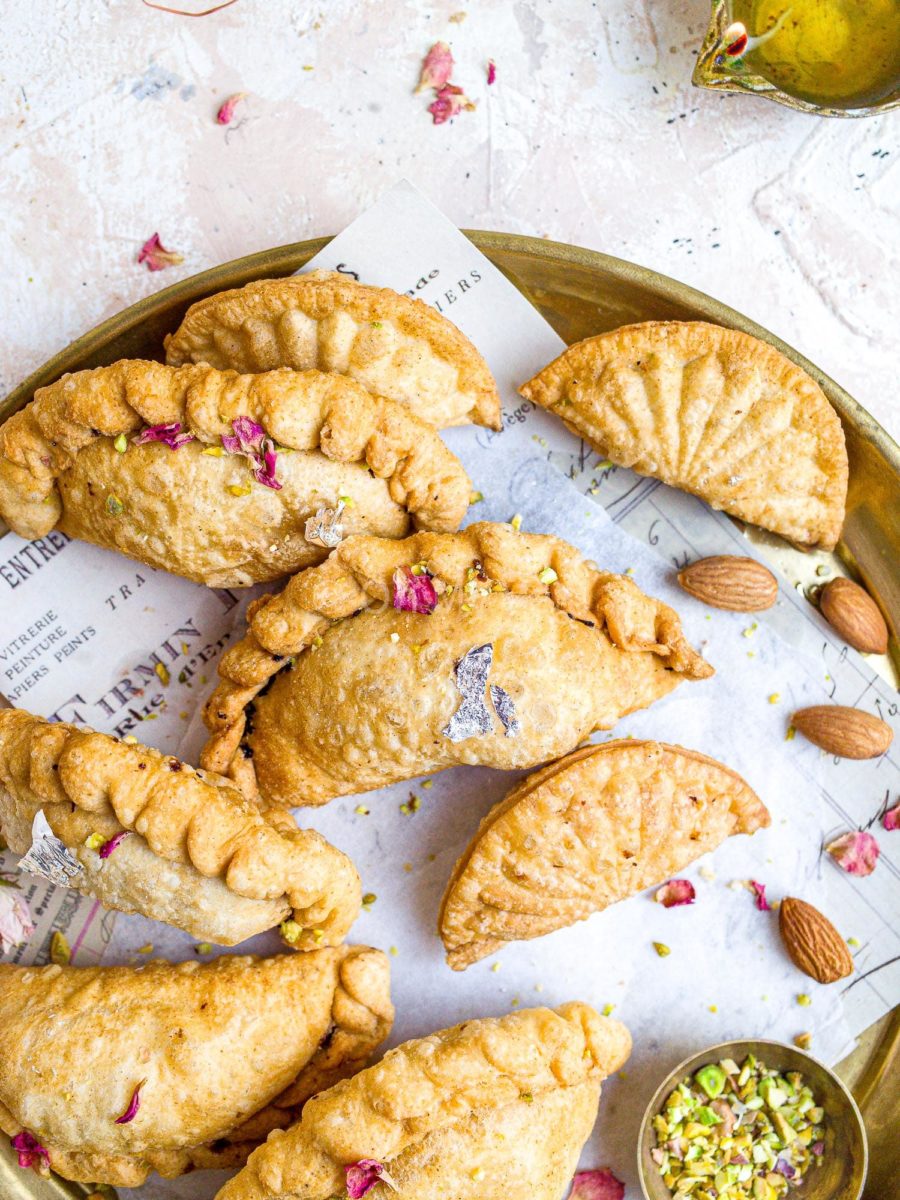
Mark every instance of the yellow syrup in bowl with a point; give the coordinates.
(844, 53)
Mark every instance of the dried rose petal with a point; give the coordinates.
(449, 101)
(15, 920)
(249, 438)
(759, 891)
(891, 819)
(170, 434)
(855, 853)
(783, 1167)
(225, 115)
(817, 1148)
(363, 1175)
(414, 593)
(156, 256)
(113, 844)
(133, 1105)
(437, 66)
(675, 892)
(597, 1185)
(491, 72)
(29, 1151)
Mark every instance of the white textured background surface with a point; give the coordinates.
(591, 134)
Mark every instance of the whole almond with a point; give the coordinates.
(813, 943)
(726, 581)
(853, 614)
(847, 732)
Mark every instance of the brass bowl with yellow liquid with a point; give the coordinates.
(836, 58)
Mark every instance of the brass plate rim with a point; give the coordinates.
(283, 260)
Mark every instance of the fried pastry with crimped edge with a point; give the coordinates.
(710, 410)
(486, 1110)
(393, 345)
(223, 1051)
(369, 690)
(69, 459)
(198, 855)
(585, 832)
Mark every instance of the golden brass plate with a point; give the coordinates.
(580, 292)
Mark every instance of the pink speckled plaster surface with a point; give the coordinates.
(591, 134)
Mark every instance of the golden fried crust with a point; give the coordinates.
(226, 1050)
(199, 855)
(392, 345)
(366, 699)
(713, 411)
(466, 1113)
(587, 831)
(198, 511)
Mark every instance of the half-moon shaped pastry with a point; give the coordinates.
(710, 410)
(144, 832)
(488, 647)
(487, 1110)
(595, 827)
(221, 477)
(393, 345)
(109, 1073)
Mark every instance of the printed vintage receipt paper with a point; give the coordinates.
(726, 974)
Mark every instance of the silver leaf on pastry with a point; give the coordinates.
(325, 528)
(506, 710)
(473, 717)
(48, 856)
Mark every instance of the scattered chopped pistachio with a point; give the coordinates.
(114, 506)
(162, 672)
(516, 522)
(803, 1040)
(547, 575)
(477, 1174)
(60, 954)
(361, 810)
(607, 1009)
(527, 1097)
(751, 629)
(347, 501)
(467, 607)
(393, 951)
(290, 930)
(404, 808)
(852, 941)
(130, 739)
(213, 451)
(427, 783)
(774, 697)
(496, 967)
(514, 1003)
(203, 948)
(374, 324)
(318, 935)
(476, 497)
(121, 443)
(791, 734)
(407, 867)
(94, 841)
(147, 949)
(368, 900)
(236, 489)
(803, 1000)
(661, 949)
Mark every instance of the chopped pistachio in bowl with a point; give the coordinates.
(752, 1120)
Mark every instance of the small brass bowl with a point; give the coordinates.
(714, 72)
(842, 1174)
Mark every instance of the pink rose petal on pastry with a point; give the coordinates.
(29, 1151)
(113, 844)
(363, 1175)
(491, 72)
(414, 593)
(170, 434)
(855, 853)
(891, 819)
(133, 1105)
